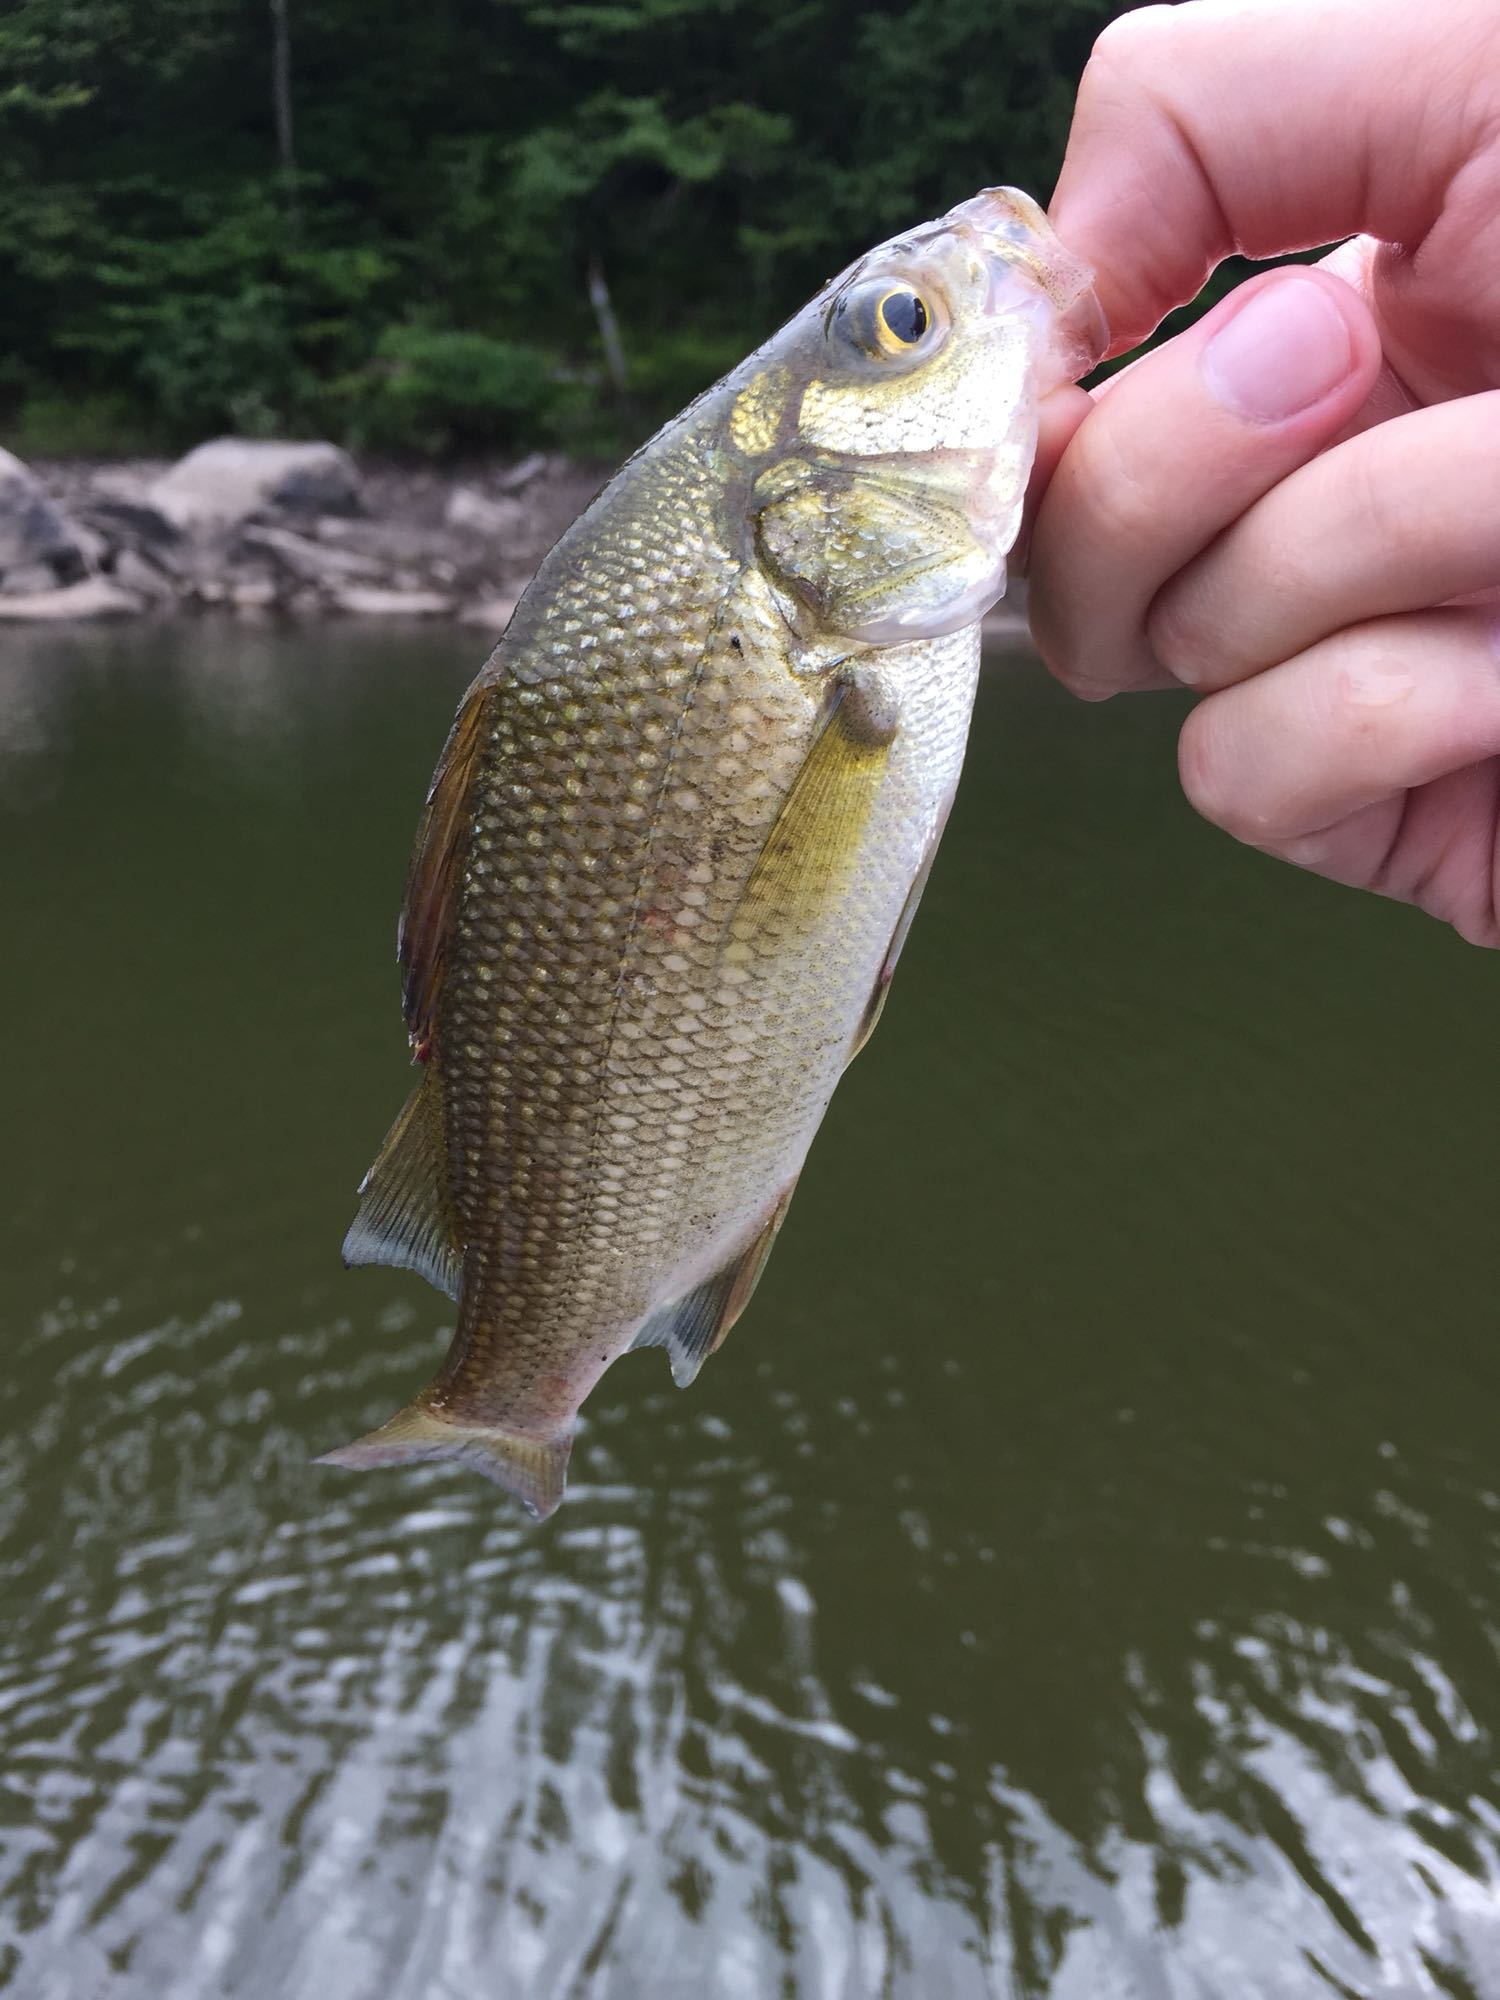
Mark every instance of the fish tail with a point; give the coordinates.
(534, 1470)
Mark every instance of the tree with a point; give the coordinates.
(410, 264)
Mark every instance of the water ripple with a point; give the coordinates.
(1025, 1613)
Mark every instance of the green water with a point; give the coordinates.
(1077, 1576)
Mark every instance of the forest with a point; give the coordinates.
(468, 225)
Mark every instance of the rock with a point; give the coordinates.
(132, 520)
(34, 531)
(28, 580)
(307, 561)
(224, 483)
(95, 597)
(390, 545)
(489, 614)
(253, 595)
(93, 547)
(477, 514)
(361, 603)
(130, 481)
(523, 472)
(134, 573)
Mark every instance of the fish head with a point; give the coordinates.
(895, 421)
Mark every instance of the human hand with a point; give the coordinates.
(1278, 508)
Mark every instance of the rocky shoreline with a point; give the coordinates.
(297, 531)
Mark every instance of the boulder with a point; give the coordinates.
(95, 597)
(143, 578)
(475, 513)
(391, 545)
(129, 522)
(226, 482)
(27, 579)
(307, 561)
(34, 531)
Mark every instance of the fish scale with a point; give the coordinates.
(679, 829)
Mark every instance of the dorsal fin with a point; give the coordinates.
(433, 880)
(690, 1328)
(404, 1215)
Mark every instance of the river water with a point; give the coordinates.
(1077, 1576)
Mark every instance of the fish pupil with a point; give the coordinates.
(905, 316)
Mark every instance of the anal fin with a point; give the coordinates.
(533, 1470)
(692, 1327)
(404, 1215)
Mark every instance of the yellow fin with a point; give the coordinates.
(810, 853)
(433, 879)
(693, 1327)
(534, 1470)
(404, 1216)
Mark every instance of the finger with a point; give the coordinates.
(1199, 430)
(1399, 518)
(1357, 719)
(1239, 125)
(1355, 262)
(1436, 845)
(1058, 417)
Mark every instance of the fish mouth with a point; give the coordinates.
(1017, 239)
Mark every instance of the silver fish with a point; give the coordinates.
(681, 826)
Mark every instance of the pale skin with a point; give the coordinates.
(1293, 508)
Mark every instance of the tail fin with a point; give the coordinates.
(533, 1469)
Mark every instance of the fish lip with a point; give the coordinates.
(1016, 238)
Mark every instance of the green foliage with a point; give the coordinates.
(432, 389)
(50, 425)
(416, 275)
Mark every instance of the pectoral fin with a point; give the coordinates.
(404, 1215)
(810, 853)
(692, 1327)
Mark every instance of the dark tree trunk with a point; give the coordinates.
(281, 86)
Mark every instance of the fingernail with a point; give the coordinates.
(1281, 353)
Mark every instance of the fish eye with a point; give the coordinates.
(885, 321)
(903, 316)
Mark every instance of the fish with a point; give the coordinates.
(680, 827)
